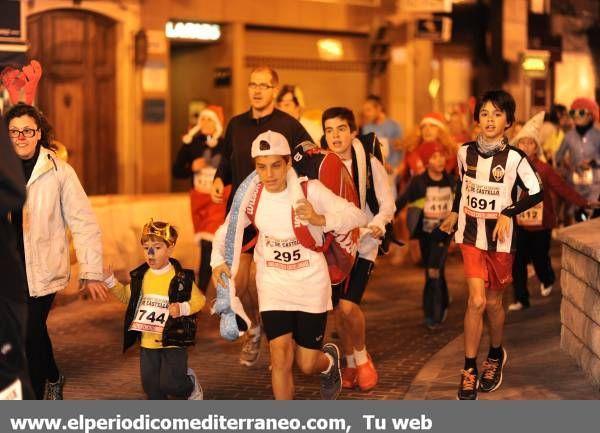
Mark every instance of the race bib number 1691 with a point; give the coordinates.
(482, 199)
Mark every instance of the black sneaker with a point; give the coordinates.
(54, 391)
(467, 390)
(491, 378)
(331, 382)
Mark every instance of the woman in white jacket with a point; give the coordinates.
(55, 201)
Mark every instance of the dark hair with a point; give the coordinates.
(502, 101)
(22, 109)
(375, 100)
(556, 112)
(285, 89)
(271, 71)
(341, 112)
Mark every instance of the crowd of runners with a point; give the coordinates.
(267, 230)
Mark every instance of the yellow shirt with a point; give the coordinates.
(158, 284)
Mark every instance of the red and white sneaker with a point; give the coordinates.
(366, 375)
(349, 378)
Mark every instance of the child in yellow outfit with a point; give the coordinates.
(162, 303)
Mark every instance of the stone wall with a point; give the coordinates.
(580, 306)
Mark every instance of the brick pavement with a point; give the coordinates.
(87, 340)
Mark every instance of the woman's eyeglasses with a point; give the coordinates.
(27, 132)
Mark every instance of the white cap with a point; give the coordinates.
(530, 130)
(270, 143)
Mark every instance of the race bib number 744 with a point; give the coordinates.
(482, 199)
(151, 315)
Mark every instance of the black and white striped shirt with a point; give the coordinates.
(488, 186)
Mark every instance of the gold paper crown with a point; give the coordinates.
(161, 230)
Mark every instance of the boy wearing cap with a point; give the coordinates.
(486, 201)
(582, 143)
(162, 303)
(294, 288)
(340, 135)
(431, 193)
(534, 226)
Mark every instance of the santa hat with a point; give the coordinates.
(426, 150)
(586, 104)
(215, 113)
(530, 130)
(434, 118)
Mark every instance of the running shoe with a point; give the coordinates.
(54, 391)
(197, 393)
(491, 378)
(251, 348)
(545, 291)
(517, 306)
(366, 375)
(467, 390)
(349, 378)
(331, 382)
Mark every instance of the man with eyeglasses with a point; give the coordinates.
(582, 144)
(236, 164)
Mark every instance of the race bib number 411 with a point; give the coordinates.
(151, 315)
(482, 199)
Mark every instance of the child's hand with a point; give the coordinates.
(502, 228)
(376, 232)
(198, 164)
(306, 212)
(449, 223)
(218, 271)
(174, 310)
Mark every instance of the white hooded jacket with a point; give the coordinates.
(56, 200)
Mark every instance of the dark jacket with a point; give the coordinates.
(242, 129)
(13, 295)
(177, 332)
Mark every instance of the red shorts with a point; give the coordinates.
(492, 267)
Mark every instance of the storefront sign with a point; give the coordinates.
(10, 21)
(535, 63)
(188, 30)
(425, 6)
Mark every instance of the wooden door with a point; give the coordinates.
(77, 90)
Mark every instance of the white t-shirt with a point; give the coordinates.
(289, 276)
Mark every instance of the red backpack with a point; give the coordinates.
(339, 248)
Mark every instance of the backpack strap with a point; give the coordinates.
(251, 214)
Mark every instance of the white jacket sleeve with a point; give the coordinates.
(82, 223)
(385, 197)
(341, 216)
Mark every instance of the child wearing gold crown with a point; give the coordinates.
(162, 303)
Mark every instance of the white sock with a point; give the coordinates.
(350, 362)
(361, 356)
(328, 369)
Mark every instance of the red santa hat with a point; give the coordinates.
(426, 150)
(434, 118)
(586, 104)
(215, 113)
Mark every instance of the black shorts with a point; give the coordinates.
(358, 280)
(308, 329)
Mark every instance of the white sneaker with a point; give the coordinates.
(545, 291)
(251, 348)
(515, 306)
(197, 393)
